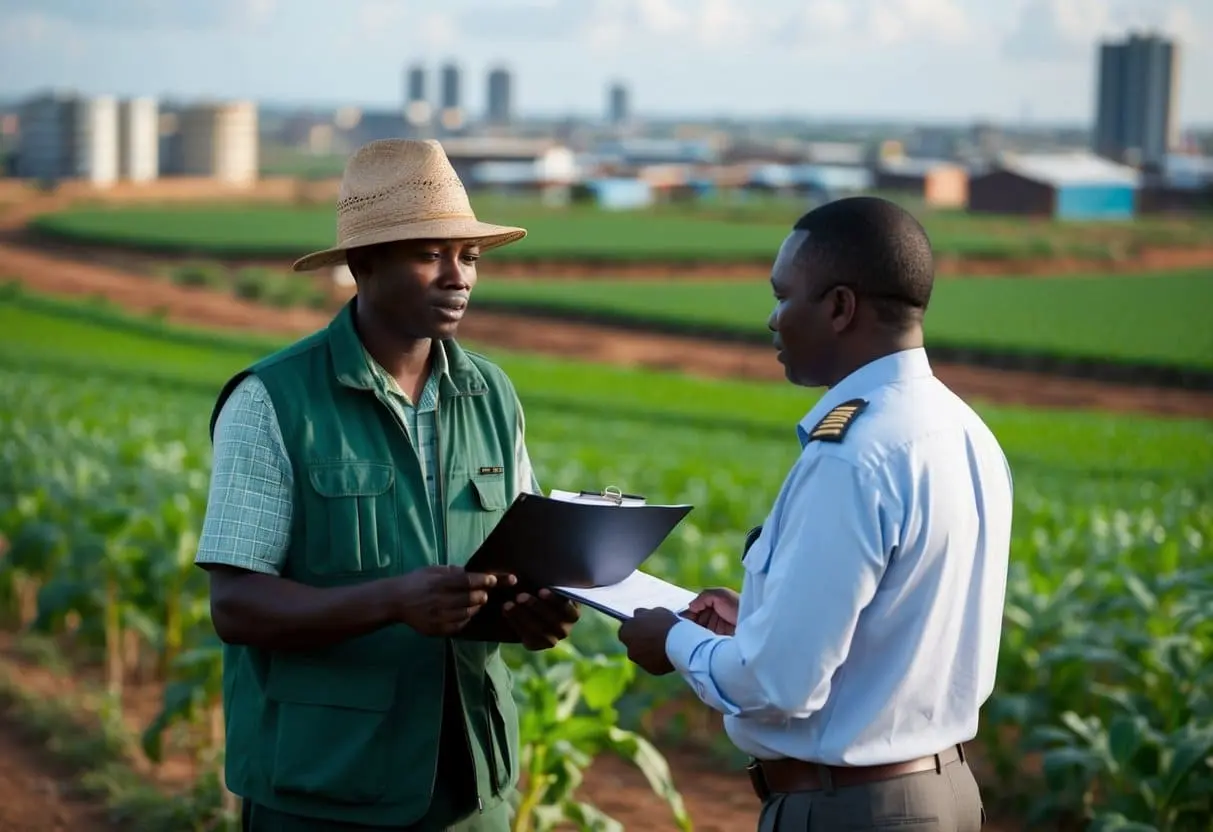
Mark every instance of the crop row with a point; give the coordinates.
(717, 232)
(1107, 664)
(1106, 661)
(1148, 318)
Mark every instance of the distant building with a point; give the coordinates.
(220, 141)
(488, 161)
(1183, 185)
(499, 111)
(417, 108)
(619, 194)
(1063, 186)
(139, 140)
(986, 140)
(1135, 119)
(835, 153)
(631, 153)
(451, 108)
(96, 154)
(618, 111)
(46, 146)
(67, 136)
(937, 182)
(373, 125)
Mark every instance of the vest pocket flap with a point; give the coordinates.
(351, 479)
(490, 491)
(298, 681)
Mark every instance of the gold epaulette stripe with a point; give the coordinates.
(834, 425)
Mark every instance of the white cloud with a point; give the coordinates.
(660, 16)
(720, 22)
(190, 15)
(849, 27)
(26, 29)
(389, 21)
(1069, 30)
(260, 12)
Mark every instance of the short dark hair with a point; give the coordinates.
(875, 247)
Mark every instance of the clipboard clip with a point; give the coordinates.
(612, 494)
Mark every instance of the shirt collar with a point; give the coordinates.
(440, 371)
(889, 369)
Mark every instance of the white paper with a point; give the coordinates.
(637, 591)
(591, 499)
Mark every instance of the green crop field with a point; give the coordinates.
(1149, 318)
(1107, 660)
(746, 231)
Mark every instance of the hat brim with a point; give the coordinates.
(487, 235)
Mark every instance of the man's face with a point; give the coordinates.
(420, 289)
(802, 322)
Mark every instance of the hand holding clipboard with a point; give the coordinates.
(587, 546)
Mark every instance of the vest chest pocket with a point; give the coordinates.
(490, 491)
(352, 517)
(477, 508)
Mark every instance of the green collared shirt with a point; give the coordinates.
(249, 508)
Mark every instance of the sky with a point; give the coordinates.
(1010, 61)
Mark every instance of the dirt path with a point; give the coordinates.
(36, 793)
(64, 276)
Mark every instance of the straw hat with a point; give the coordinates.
(401, 189)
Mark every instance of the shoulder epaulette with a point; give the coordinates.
(834, 425)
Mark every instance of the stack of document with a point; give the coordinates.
(587, 546)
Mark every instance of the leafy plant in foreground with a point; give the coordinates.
(567, 707)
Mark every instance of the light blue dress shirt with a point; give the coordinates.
(872, 602)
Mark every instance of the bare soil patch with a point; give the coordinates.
(37, 793)
(64, 276)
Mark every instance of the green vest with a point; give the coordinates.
(351, 732)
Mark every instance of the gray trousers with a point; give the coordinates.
(929, 801)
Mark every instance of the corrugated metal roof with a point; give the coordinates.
(1188, 172)
(495, 147)
(1070, 169)
(912, 166)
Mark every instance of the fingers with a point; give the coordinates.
(539, 624)
(476, 581)
(563, 609)
(529, 632)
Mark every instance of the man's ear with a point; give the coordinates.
(842, 307)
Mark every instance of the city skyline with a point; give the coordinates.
(1033, 58)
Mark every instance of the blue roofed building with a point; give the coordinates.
(1068, 186)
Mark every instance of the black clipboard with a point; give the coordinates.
(551, 542)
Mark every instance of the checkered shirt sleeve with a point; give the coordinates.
(248, 512)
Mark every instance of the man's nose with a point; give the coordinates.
(456, 273)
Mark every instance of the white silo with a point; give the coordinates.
(139, 139)
(96, 155)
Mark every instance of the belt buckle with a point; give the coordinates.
(758, 779)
